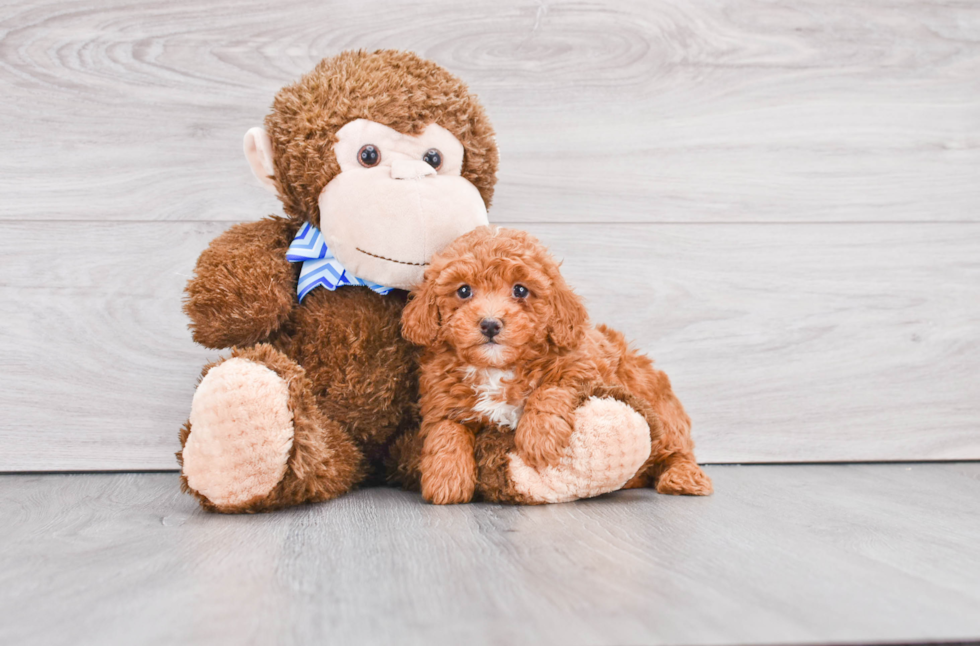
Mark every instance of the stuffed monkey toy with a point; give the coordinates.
(380, 160)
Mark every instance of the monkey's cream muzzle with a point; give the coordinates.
(411, 169)
(384, 222)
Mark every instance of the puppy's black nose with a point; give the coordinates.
(490, 327)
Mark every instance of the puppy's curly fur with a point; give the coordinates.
(508, 347)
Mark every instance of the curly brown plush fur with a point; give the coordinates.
(324, 461)
(351, 379)
(320, 396)
(243, 288)
(397, 89)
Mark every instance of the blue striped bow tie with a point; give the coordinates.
(319, 265)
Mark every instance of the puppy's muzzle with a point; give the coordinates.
(491, 328)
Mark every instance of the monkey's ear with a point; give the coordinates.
(258, 152)
(420, 318)
(568, 316)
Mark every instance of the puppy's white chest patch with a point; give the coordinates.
(491, 396)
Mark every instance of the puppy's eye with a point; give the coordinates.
(369, 156)
(433, 158)
(464, 292)
(520, 291)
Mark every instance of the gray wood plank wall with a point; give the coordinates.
(780, 201)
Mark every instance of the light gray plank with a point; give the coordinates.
(799, 342)
(671, 111)
(787, 343)
(780, 554)
(98, 367)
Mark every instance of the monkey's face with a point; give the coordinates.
(397, 201)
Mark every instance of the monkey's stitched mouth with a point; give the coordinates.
(400, 262)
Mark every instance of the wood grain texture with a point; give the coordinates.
(774, 111)
(799, 342)
(786, 343)
(779, 555)
(98, 364)
(778, 200)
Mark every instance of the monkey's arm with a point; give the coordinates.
(243, 287)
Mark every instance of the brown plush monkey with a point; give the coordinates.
(380, 160)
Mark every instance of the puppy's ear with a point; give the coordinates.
(420, 318)
(568, 318)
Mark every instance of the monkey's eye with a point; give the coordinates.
(369, 156)
(464, 292)
(520, 291)
(433, 158)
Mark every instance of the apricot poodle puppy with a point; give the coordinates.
(508, 348)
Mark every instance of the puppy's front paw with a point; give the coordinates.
(448, 481)
(542, 438)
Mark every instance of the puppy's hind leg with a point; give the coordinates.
(671, 468)
(683, 477)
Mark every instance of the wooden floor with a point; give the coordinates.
(782, 554)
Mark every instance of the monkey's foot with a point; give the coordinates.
(684, 478)
(609, 443)
(241, 434)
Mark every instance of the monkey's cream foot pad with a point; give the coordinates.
(609, 443)
(241, 433)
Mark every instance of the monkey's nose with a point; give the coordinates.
(490, 327)
(410, 169)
